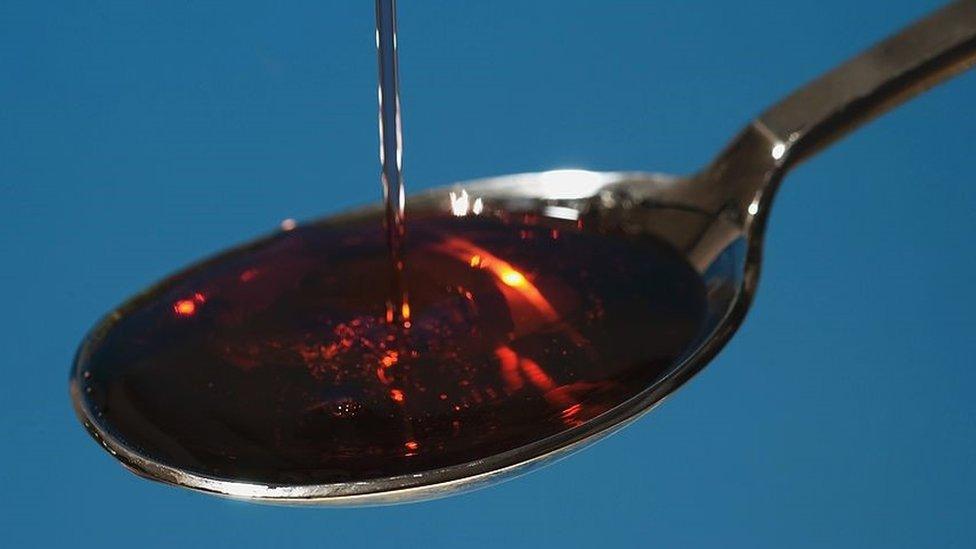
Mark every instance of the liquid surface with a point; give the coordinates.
(275, 362)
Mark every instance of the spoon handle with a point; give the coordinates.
(893, 71)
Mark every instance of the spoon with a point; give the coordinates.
(715, 220)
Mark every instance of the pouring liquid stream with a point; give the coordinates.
(391, 157)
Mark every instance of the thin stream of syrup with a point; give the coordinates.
(391, 156)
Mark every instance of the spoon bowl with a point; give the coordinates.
(160, 380)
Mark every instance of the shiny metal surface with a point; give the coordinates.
(716, 218)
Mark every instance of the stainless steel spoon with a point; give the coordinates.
(716, 218)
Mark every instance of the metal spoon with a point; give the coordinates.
(716, 218)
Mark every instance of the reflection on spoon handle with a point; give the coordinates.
(910, 62)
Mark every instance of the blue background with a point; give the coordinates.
(138, 136)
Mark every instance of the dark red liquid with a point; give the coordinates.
(275, 363)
